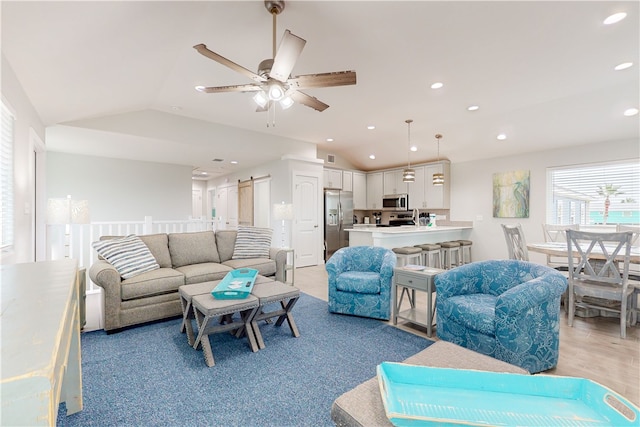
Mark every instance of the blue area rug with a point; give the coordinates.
(149, 376)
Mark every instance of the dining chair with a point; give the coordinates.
(634, 269)
(557, 234)
(601, 274)
(516, 243)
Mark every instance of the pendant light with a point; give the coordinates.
(409, 175)
(438, 178)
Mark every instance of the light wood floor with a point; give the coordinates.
(592, 348)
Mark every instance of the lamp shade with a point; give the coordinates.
(67, 211)
(283, 211)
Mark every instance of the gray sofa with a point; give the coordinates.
(184, 259)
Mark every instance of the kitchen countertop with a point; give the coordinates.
(404, 229)
(408, 235)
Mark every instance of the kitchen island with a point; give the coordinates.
(407, 235)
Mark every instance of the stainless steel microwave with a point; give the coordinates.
(395, 202)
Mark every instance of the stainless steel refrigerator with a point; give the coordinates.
(338, 216)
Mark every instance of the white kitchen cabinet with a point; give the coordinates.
(392, 183)
(374, 190)
(416, 190)
(347, 181)
(333, 178)
(436, 196)
(359, 190)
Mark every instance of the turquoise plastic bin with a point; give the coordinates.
(237, 284)
(421, 395)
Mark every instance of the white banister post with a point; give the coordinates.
(148, 225)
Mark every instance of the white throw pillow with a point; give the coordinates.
(129, 255)
(252, 242)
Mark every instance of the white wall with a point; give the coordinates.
(24, 210)
(471, 191)
(121, 190)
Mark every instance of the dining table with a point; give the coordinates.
(560, 249)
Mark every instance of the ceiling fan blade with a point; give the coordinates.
(288, 52)
(202, 49)
(252, 87)
(338, 78)
(309, 101)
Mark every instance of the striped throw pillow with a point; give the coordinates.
(252, 242)
(129, 255)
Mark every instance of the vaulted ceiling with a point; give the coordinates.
(117, 78)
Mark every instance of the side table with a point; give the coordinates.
(413, 280)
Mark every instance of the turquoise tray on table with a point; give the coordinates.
(237, 284)
(422, 395)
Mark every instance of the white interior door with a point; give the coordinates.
(306, 225)
(196, 203)
(221, 208)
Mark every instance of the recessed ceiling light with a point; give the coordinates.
(472, 108)
(329, 139)
(501, 136)
(176, 108)
(623, 66)
(414, 148)
(437, 85)
(616, 17)
(371, 127)
(630, 112)
(200, 88)
(234, 162)
(372, 156)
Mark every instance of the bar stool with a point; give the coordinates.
(407, 255)
(465, 251)
(448, 250)
(430, 253)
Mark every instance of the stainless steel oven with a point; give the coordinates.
(395, 202)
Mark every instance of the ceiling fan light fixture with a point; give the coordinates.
(261, 99)
(276, 91)
(286, 102)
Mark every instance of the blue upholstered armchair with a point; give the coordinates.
(360, 281)
(506, 309)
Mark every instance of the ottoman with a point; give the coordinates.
(363, 405)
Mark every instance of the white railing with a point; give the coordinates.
(74, 241)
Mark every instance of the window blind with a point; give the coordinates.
(6, 177)
(602, 193)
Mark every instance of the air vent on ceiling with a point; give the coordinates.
(331, 158)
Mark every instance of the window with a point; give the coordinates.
(6, 177)
(594, 194)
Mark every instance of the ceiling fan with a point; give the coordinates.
(273, 81)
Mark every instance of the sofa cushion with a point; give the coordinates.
(475, 312)
(226, 242)
(360, 282)
(203, 272)
(265, 266)
(156, 282)
(158, 244)
(193, 248)
(129, 255)
(252, 242)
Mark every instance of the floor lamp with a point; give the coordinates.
(65, 211)
(283, 212)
